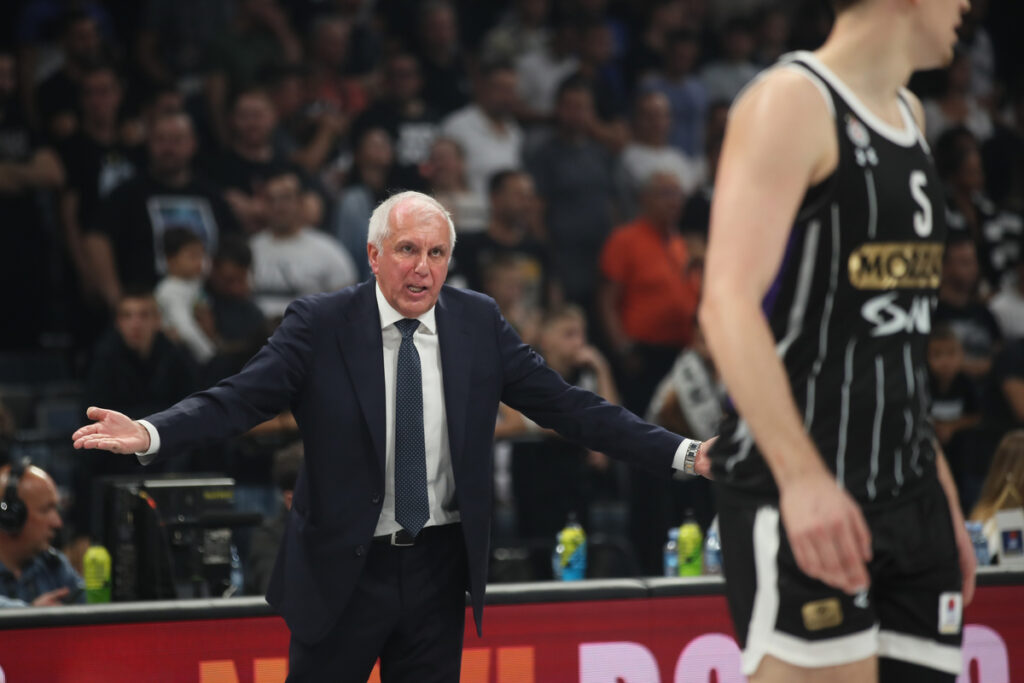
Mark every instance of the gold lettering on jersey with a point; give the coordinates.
(822, 614)
(896, 265)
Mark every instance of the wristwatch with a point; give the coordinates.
(690, 457)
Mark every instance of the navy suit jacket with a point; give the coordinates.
(325, 363)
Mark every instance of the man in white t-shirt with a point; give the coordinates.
(486, 129)
(650, 151)
(290, 259)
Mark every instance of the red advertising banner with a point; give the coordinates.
(656, 640)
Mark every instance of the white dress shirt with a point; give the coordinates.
(440, 477)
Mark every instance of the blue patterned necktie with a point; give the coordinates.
(412, 508)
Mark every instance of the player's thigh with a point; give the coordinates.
(773, 670)
(780, 612)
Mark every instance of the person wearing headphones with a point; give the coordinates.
(32, 571)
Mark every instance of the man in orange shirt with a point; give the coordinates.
(648, 304)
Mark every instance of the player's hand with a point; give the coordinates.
(968, 561)
(702, 463)
(112, 432)
(52, 598)
(827, 531)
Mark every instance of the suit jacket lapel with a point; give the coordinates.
(362, 350)
(456, 360)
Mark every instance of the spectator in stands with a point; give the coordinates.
(26, 167)
(650, 152)
(996, 234)
(649, 295)
(96, 159)
(239, 323)
(1003, 488)
(184, 311)
(540, 72)
(956, 106)
(955, 402)
(511, 232)
(405, 115)
(174, 38)
(124, 245)
(688, 97)
(596, 51)
(259, 37)
(444, 66)
(57, 97)
(245, 166)
(725, 77)
(697, 210)
(135, 366)
(1004, 153)
(574, 175)
(773, 29)
(486, 130)
(522, 30)
(960, 307)
(1004, 400)
(267, 538)
(647, 52)
(1008, 304)
(292, 259)
(367, 186)
(550, 476)
(307, 135)
(33, 572)
(444, 172)
(506, 281)
(331, 89)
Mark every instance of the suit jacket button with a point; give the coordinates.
(360, 550)
(375, 499)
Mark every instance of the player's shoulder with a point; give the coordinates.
(785, 91)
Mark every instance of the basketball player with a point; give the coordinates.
(845, 552)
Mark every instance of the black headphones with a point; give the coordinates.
(12, 509)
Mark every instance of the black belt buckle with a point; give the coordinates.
(401, 539)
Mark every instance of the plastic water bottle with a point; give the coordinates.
(713, 550)
(691, 546)
(236, 574)
(977, 533)
(672, 552)
(569, 560)
(96, 567)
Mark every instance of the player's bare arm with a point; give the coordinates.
(780, 141)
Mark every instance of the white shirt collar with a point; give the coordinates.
(389, 316)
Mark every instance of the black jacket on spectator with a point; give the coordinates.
(137, 213)
(126, 382)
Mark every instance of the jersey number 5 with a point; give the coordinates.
(922, 218)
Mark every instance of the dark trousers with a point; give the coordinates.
(408, 608)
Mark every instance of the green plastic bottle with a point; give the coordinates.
(96, 564)
(691, 547)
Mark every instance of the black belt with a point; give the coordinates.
(403, 539)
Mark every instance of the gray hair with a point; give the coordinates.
(423, 206)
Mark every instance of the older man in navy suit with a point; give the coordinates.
(395, 385)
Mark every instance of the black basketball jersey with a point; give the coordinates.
(850, 308)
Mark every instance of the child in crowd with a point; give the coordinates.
(955, 403)
(186, 316)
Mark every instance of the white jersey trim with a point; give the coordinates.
(920, 651)
(762, 636)
(907, 137)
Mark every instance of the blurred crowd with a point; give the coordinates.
(174, 172)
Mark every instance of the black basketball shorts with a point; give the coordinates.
(912, 611)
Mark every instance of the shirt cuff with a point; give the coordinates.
(679, 460)
(154, 444)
